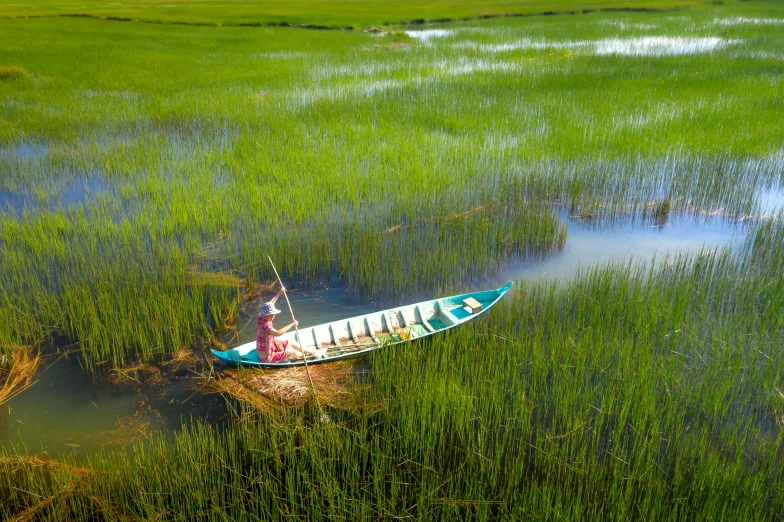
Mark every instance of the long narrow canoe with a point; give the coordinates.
(364, 333)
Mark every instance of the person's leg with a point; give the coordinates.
(293, 352)
(310, 350)
(297, 351)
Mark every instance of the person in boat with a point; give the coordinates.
(270, 349)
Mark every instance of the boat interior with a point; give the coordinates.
(394, 325)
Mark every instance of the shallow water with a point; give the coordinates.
(588, 246)
(65, 413)
(24, 151)
(428, 34)
(77, 191)
(742, 20)
(770, 200)
(639, 46)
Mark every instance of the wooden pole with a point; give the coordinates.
(301, 343)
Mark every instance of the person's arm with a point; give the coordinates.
(283, 330)
(280, 293)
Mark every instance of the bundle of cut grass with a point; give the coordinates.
(290, 387)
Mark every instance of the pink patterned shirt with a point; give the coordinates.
(270, 350)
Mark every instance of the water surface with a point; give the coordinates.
(66, 413)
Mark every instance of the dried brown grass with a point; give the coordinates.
(13, 72)
(17, 372)
(133, 427)
(218, 343)
(393, 45)
(71, 479)
(141, 373)
(185, 357)
(151, 374)
(32, 463)
(256, 290)
(9, 464)
(268, 390)
(224, 279)
(440, 219)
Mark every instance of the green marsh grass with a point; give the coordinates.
(146, 171)
(641, 390)
(138, 148)
(325, 14)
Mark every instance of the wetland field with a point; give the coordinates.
(622, 164)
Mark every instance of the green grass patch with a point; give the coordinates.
(330, 13)
(149, 170)
(147, 153)
(627, 390)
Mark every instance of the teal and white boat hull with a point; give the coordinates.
(355, 336)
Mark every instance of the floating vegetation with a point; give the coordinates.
(139, 374)
(155, 375)
(199, 278)
(141, 424)
(184, 358)
(40, 461)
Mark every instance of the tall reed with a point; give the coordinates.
(634, 391)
